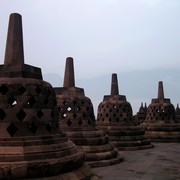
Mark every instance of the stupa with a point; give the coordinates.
(160, 122)
(31, 145)
(78, 121)
(141, 114)
(177, 114)
(116, 119)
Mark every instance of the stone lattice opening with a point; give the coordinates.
(2, 114)
(38, 90)
(64, 115)
(12, 101)
(21, 115)
(46, 101)
(33, 128)
(80, 122)
(69, 109)
(74, 115)
(4, 89)
(22, 90)
(49, 127)
(69, 123)
(40, 114)
(31, 101)
(12, 129)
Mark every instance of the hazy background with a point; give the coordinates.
(137, 39)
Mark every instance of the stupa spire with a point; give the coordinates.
(69, 73)
(160, 91)
(114, 85)
(14, 53)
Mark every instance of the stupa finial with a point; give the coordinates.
(69, 73)
(114, 85)
(160, 91)
(14, 53)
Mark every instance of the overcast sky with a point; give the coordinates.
(103, 36)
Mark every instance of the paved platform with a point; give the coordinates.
(159, 163)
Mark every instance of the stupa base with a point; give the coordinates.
(163, 132)
(127, 137)
(99, 152)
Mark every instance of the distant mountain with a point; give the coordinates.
(138, 86)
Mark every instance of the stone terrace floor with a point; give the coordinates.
(159, 163)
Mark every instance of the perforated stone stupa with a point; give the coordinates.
(78, 121)
(160, 122)
(31, 145)
(116, 119)
(141, 114)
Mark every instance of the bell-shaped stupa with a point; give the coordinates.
(78, 121)
(160, 122)
(177, 114)
(32, 147)
(116, 119)
(141, 114)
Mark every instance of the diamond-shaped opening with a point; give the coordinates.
(64, 102)
(74, 102)
(2, 114)
(22, 89)
(74, 115)
(52, 113)
(38, 90)
(69, 109)
(12, 129)
(82, 102)
(21, 115)
(4, 89)
(40, 114)
(46, 101)
(117, 120)
(64, 115)
(31, 101)
(49, 127)
(83, 115)
(69, 123)
(114, 114)
(107, 115)
(33, 128)
(12, 101)
(110, 110)
(59, 109)
(78, 109)
(89, 122)
(87, 108)
(80, 122)
(110, 119)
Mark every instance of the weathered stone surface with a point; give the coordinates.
(158, 163)
(160, 122)
(78, 121)
(31, 145)
(116, 119)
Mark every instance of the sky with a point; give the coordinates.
(137, 39)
